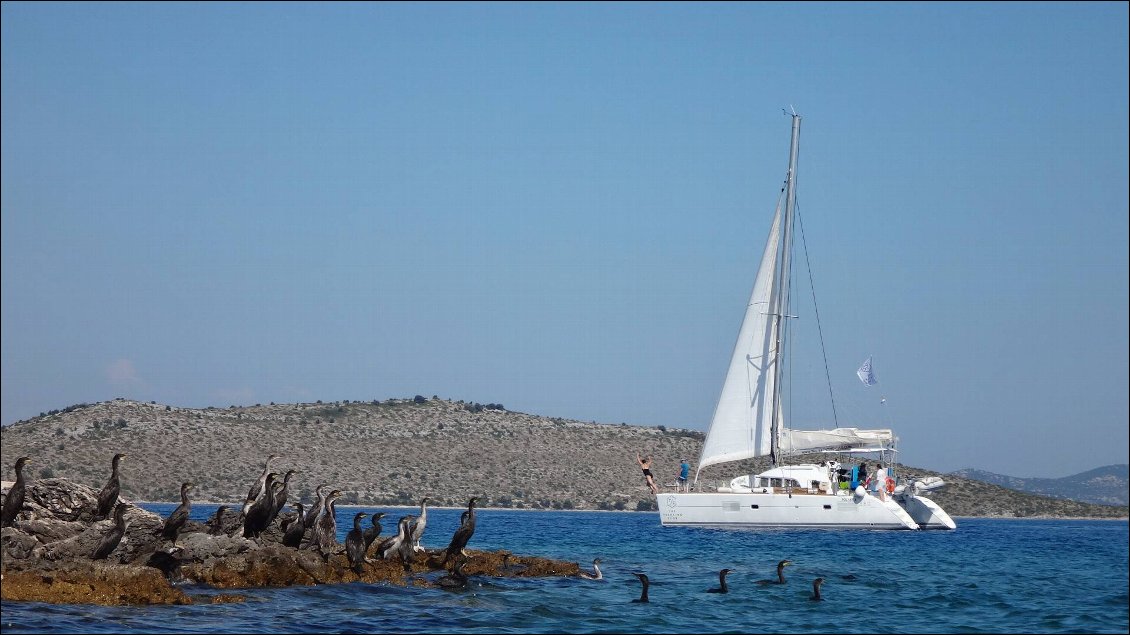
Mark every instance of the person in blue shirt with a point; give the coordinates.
(684, 474)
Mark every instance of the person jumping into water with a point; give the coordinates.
(645, 465)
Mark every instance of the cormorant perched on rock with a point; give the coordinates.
(780, 573)
(258, 516)
(371, 533)
(113, 536)
(109, 494)
(280, 498)
(464, 533)
(392, 545)
(216, 522)
(318, 508)
(293, 531)
(722, 587)
(457, 579)
(645, 582)
(355, 543)
(14, 501)
(596, 574)
(816, 589)
(171, 529)
(325, 532)
(257, 487)
(418, 526)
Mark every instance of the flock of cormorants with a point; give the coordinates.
(316, 528)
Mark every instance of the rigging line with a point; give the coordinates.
(816, 311)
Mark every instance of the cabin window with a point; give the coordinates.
(754, 507)
(791, 482)
(827, 507)
(774, 482)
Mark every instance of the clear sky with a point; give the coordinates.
(560, 208)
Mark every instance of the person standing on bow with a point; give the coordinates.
(684, 474)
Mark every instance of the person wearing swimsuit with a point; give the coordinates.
(645, 465)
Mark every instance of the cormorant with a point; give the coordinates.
(14, 501)
(292, 533)
(109, 494)
(325, 532)
(596, 575)
(816, 589)
(355, 543)
(457, 579)
(257, 487)
(418, 526)
(722, 587)
(171, 529)
(645, 582)
(394, 544)
(113, 536)
(318, 508)
(216, 522)
(463, 534)
(780, 573)
(280, 498)
(258, 516)
(373, 532)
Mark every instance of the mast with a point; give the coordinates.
(780, 307)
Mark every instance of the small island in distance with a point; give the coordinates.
(394, 451)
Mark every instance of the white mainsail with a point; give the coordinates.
(740, 428)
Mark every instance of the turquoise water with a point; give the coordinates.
(994, 576)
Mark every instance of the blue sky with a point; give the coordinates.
(560, 208)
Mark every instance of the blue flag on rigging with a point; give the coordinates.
(866, 375)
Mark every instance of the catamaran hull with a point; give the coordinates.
(756, 509)
(925, 512)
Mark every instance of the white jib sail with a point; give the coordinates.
(740, 428)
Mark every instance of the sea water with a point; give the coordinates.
(990, 575)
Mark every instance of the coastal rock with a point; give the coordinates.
(47, 558)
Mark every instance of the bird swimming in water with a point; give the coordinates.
(596, 574)
(216, 522)
(645, 582)
(371, 533)
(294, 530)
(14, 501)
(780, 573)
(108, 497)
(418, 526)
(457, 579)
(816, 589)
(722, 587)
(463, 534)
(355, 543)
(171, 529)
(113, 536)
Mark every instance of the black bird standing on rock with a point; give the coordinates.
(216, 522)
(258, 516)
(108, 497)
(14, 501)
(464, 533)
(355, 543)
(372, 533)
(722, 588)
(113, 536)
(292, 533)
(171, 529)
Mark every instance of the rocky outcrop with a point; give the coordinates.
(47, 557)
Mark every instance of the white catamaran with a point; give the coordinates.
(749, 422)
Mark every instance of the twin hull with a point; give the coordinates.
(758, 509)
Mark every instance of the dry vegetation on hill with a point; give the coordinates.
(396, 451)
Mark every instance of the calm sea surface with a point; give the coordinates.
(993, 576)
